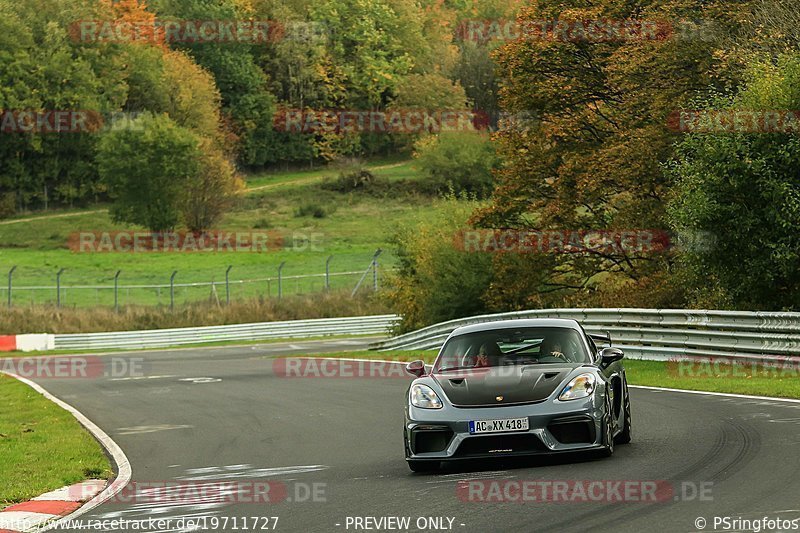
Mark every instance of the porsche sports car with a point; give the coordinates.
(516, 387)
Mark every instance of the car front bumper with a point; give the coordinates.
(554, 427)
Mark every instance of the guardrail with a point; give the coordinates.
(159, 338)
(658, 334)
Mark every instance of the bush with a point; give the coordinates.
(8, 205)
(459, 161)
(351, 180)
(437, 281)
(312, 210)
(354, 179)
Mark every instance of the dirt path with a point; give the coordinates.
(46, 217)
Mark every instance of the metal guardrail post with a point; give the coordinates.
(58, 287)
(364, 325)
(10, 273)
(228, 286)
(280, 280)
(172, 290)
(116, 291)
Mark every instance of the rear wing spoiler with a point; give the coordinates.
(601, 338)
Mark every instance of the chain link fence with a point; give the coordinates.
(219, 288)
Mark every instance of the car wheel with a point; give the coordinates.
(624, 436)
(608, 428)
(423, 466)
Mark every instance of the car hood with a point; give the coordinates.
(481, 387)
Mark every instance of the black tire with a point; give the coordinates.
(624, 436)
(423, 466)
(608, 429)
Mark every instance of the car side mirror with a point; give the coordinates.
(416, 368)
(610, 355)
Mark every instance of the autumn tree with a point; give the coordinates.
(593, 158)
(209, 192)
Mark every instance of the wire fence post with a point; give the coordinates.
(328, 273)
(375, 271)
(10, 273)
(280, 280)
(364, 275)
(228, 286)
(116, 291)
(172, 290)
(58, 287)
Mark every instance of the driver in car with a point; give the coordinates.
(553, 348)
(488, 355)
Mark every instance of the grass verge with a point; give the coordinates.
(780, 383)
(43, 446)
(86, 320)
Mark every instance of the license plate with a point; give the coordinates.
(498, 426)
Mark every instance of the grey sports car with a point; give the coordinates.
(516, 387)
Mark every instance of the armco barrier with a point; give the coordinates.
(159, 338)
(658, 334)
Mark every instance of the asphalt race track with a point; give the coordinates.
(223, 414)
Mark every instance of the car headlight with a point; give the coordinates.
(580, 387)
(424, 397)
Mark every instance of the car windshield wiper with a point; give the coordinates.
(470, 367)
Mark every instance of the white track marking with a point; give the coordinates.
(140, 430)
(245, 471)
(135, 378)
(721, 394)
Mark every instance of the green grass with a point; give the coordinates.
(43, 446)
(392, 168)
(781, 384)
(348, 232)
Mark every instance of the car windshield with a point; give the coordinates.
(503, 347)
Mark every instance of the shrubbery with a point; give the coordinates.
(459, 161)
(437, 281)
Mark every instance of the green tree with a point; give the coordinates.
(243, 85)
(743, 189)
(148, 169)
